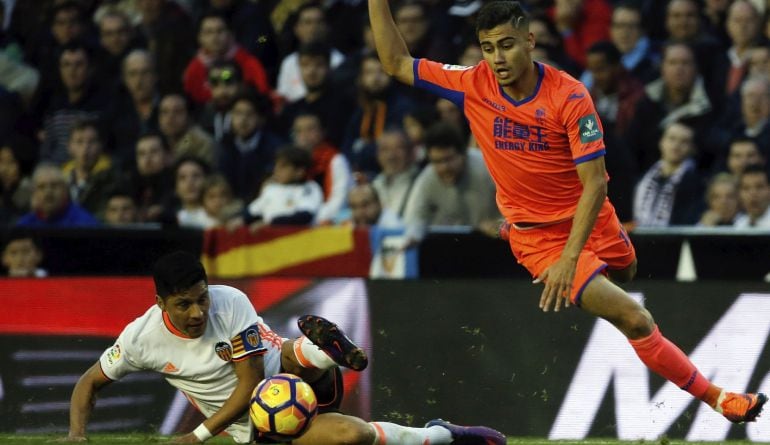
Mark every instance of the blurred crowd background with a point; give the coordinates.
(225, 113)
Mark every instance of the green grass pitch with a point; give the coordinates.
(120, 439)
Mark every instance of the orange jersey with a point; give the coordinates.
(532, 146)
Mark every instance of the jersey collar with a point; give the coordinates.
(171, 328)
(516, 103)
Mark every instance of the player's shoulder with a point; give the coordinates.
(144, 327)
(222, 295)
(560, 80)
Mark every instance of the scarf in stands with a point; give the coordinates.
(654, 200)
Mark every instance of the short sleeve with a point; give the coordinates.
(115, 361)
(584, 129)
(446, 81)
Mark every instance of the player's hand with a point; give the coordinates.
(187, 438)
(558, 284)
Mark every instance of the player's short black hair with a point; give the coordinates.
(498, 13)
(176, 272)
(608, 49)
(443, 134)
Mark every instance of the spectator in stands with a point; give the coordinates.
(290, 198)
(678, 95)
(247, 153)
(754, 119)
(330, 168)
(18, 80)
(380, 105)
(415, 25)
(581, 23)
(121, 209)
(226, 83)
(67, 25)
(470, 55)
(182, 134)
(251, 27)
(16, 186)
(150, 178)
(721, 201)
(79, 98)
(170, 34)
(135, 112)
(215, 42)
(22, 256)
(415, 123)
(670, 192)
(455, 189)
(743, 152)
(399, 171)
(366, 209)
(189, 175)
(218, 201)
(89, 173)
(715, 14)
(639, 55)
(323, 98)
(549, 46)
(310, 26)
(50, 205)
(683, 24)
(450, 113)
(759, 61)
(754, 195)
(116, 38)
(744, 30)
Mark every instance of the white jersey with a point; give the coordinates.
(199, 367)
(278, 200)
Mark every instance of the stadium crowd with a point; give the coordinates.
(206, 113)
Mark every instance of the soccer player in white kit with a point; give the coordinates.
(210, 344)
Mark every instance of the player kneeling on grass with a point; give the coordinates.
(210, 344)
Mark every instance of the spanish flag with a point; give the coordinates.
(324, 251)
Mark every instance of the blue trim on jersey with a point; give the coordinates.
(588, 157)
(540, 77)
(583, 287)
(456, 97)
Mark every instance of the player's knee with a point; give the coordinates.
(639, 324)
(354, 432)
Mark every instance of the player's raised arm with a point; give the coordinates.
(82, 401)
(391, 48)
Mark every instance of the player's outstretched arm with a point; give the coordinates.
(82, 401)
(249, 372)
(391, 48)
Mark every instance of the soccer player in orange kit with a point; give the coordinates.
(542, 142)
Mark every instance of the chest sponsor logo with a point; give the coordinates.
(494, 105)
(510, 135)
(224, 351)
(113, 355)
(589, 129)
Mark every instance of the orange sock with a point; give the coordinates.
(667, 360)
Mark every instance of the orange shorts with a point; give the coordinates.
(607, 246)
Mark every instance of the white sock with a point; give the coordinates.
(393, 434)
(311, 356)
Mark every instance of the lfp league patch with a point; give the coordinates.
(113, 355)
(589, 130)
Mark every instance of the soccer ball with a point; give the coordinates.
(283, 405)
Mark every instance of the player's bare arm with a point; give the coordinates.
(391, 48)
(559, 276)
(83, 400)
(249, 371)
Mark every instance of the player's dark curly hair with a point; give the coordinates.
(176, 272)
(498, 13)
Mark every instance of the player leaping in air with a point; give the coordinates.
(542, 142)
(209, 343)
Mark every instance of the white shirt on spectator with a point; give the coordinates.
(290, 83)
(743, 221)
(277, 200)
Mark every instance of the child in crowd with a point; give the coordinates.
(22, 256)
(290, 197)
(218, 201)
